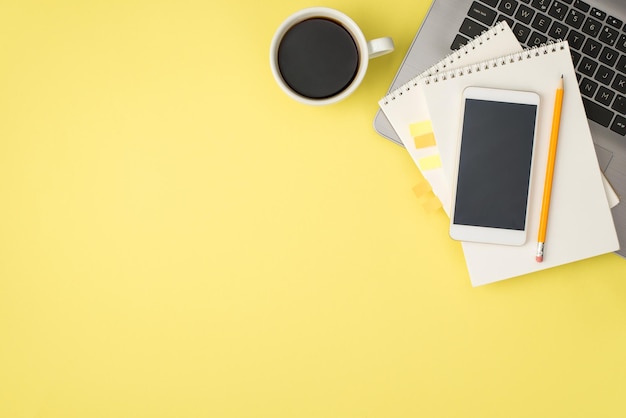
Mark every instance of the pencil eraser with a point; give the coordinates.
(539, 258)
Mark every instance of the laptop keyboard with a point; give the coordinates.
(597, 42)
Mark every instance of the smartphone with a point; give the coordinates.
(491, 184)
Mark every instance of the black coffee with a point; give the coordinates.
(318, 58)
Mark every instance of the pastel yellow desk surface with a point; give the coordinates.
(180, 239)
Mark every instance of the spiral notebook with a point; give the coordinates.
(581, 224)
(407, 112)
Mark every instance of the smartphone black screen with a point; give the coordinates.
(494, 164)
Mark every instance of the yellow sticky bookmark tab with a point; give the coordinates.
(431, 203)
(425, 141)
(421, 128)
(422, 133)
(421, 188)
(429, 163)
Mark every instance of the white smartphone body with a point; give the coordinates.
(491, 183)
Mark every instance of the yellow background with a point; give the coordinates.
(178, 238)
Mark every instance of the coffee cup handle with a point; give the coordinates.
(379, 46)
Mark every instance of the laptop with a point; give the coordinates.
(596, 32)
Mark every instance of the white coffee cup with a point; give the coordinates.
(365, 50)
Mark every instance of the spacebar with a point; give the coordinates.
(597, 113)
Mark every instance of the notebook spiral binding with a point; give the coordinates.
(550, 46)
(448, 60)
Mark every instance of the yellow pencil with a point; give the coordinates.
(547, 188)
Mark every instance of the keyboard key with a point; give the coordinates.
(537, 39)
(597, 113)
(558, 30)
(592, 27)
(592, 48)
(604, 96)
(575, 39)
(619, 83)
(558, 10)
(598, 14)
(541, 5)
(575, 19)
(521, 32)
(588, 87)
(608, 36)
(492, 3)
(458, 42)
(615, 22)
(621, 43)
(482, 13)
(541, 23)
(575, 57)
(524, 14)
(508, 7)
(620, 104)
(604, 75)
(619, 125)
(581, 5)
(471, 28)
(588, 66)
(621, 64)
(608, 56)
(567, 1)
